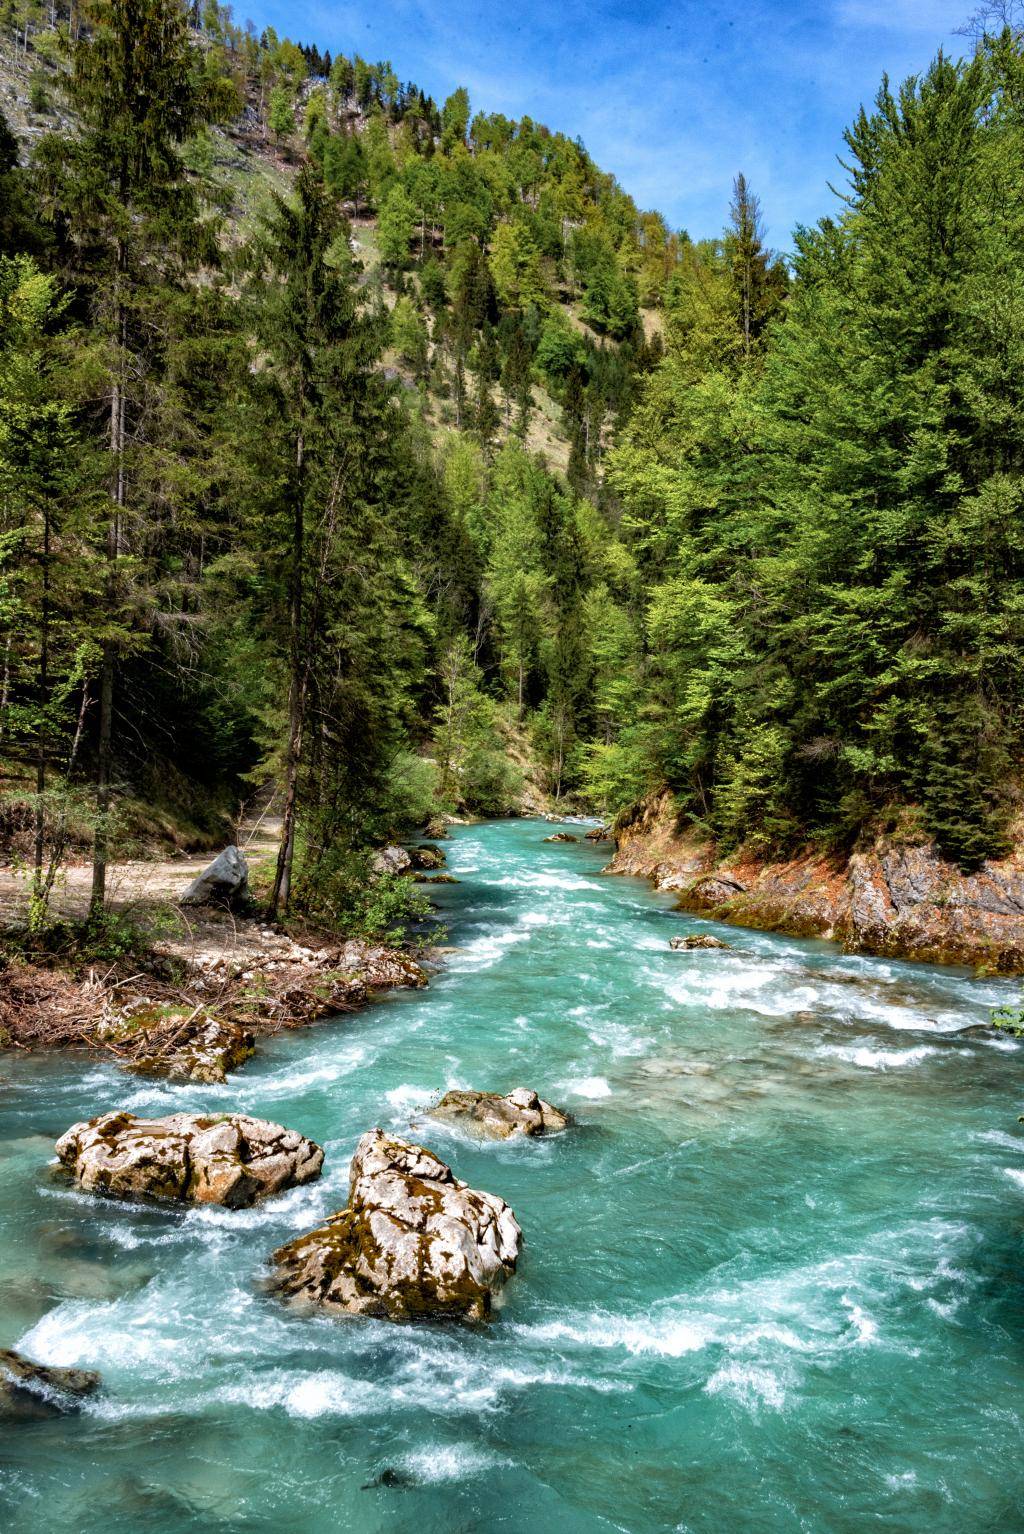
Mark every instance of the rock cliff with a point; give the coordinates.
(896, 900)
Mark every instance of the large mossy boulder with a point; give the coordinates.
(204, 1048)
(520, 1112)
(427, 858)
(29, 1390)
(413, 1242)
(227, 1159)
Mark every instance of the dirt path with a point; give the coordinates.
(148, 891)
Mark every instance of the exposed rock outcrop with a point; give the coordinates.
(205, 1051)
(29, 1390)
(225, 882)
(413, 1242)
(228, 1159)
(520, 1112)
(696, 940)
(183, 1044)
(436, 828)
(898, 900)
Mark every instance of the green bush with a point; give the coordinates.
(412, 789)
(342, 890)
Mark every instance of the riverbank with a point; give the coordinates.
(182, 990)
(893, 900)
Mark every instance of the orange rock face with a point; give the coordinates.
(896, 900)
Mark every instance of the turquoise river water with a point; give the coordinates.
(771, 1279)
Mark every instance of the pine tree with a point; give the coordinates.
(133, 220)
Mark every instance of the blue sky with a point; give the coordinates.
(673, 98)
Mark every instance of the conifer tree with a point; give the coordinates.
(134, 226)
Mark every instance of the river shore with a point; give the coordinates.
(894, 899)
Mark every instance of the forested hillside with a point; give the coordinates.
(383, 452)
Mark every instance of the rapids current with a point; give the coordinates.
(771, 1279)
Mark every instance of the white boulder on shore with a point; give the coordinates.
(225, 882)
(413, 1242)
(227, 1159)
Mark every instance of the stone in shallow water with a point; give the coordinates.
(520, 1112)
(228, 1159)
(413, 1242)
(29, 1390)
(205, 1049)
(427, 857)
(562, 836)
(697, 940)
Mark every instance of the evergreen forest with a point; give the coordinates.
(386, 451)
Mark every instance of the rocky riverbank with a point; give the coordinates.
(894, 900)
(195, 1009)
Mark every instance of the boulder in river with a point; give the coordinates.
(435, 879)
(391, 860)
(225, 882)
(520, 1112)
(427, 857)
(227, 1158)
(436, 828)
(697, 940)
(29, 1390)
(413, 1242)
(562, 836)
(598, 834)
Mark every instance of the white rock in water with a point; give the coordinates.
(226, 881)
(414, 1241)
(228, 1159)
(520, 1112)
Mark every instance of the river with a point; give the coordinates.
(771, 1279)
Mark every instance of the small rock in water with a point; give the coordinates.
(389, 1477)
(427, 857)
(435, 879)
(520, 1112)
(225, 882)
(227, 1159)
(414, 1241)
(562, 836)
(29, 1390)
(697, 940)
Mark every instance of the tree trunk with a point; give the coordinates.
(296, 697)
(101, 843)
(44, 689)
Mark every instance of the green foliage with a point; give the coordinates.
(341, 889)
(281, 118)
(395, 226)
(412, 791)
